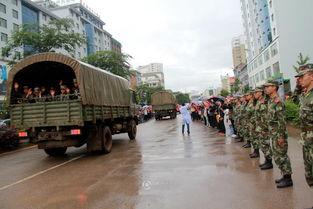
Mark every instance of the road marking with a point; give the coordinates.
(39, 173)
(19, 150)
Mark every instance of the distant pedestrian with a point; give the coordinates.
(185, 117)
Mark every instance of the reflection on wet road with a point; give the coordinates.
(161, 169)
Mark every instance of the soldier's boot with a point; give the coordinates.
(255, 154)
(247, 145)
(267, 165)
(285, 182)
(277, 181)
(240, 139)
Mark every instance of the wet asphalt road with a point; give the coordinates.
(161, 169)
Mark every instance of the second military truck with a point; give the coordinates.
(163, 104)
(103, 107)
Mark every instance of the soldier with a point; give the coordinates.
(51, 96)
(306, 117)
(261, 127)
(278, 133)
(64, 95)
(244, 121)
(27, 94)
(75, 89)
(37, 95)
(251, 125)
(239, 124)
(16, 97)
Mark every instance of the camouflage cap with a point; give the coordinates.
(252, 91)
(271, 83)
(258, 89)
(63, 87)
(36, 89)
(304, 69)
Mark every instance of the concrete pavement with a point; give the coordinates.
(161, 169)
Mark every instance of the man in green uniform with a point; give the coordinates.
(251, 120)
(278, 133)
(261, 127)
(305, 78)
(244, 121)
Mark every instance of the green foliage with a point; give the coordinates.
(235, 87)
(144, 93)
(181, 98)
(224, 93)
(246, 89)
(114, 62)
(58, 34)
(292, 112)
(302, 61)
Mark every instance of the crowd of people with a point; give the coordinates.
(258, 119)
(41, 94)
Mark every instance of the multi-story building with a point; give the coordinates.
(152, 75)
(116, 45)
(275, 38)
(86, 22)
(209, 92)
(241, 73)
(225, 80)
(238, 51)
(134, 79)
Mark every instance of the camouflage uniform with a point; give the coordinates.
(262, 127)
(250, 116)
(236, 116)
(277, 130)
(243, 122)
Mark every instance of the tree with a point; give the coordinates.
(114, 62)
(302, 61)
(181, 98)
(236, 86)
(35, 38)
(144, 93)
(224, 93)
(246, 88)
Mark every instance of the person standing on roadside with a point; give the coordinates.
(261, 127)
(278, 133)
(305, 77)
(185, 117)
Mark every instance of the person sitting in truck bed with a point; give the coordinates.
(52, 97)
(17, 97)
(28, 95)
(37, 97)
(75, 89)
(64, 95)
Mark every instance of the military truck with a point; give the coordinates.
(163, 104)
(105, 105)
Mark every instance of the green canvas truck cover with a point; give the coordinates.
(162, 98)
(97, 86)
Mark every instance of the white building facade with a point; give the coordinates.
(152, 75)
(275, 38)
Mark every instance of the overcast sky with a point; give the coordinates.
(192, 38)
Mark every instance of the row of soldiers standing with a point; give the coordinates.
(259, 117)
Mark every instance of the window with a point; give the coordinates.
(15, 2)
(3, 8)
(262, 75)
(260, 60)
(77, 25)
(255, 64)
(15, 14)
(274, 31)
(272, 17)
(15, 27)
(266, 55)
(3, 23)
(271, 3)
(44, 17)
(268, 72)
(256, 78)
(4, 37)
(274, 50)
(79, 55)
(276, 68)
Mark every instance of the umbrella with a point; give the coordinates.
(218, 98)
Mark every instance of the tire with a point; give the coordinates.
(60, 151)
(132, 130)
(106, 139)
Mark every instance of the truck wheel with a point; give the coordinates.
(106, 137)
(56, 151)
(132, 130)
